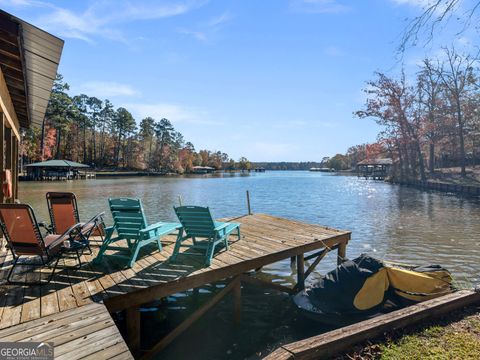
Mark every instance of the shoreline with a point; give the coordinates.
(457, 189)
(472, 191)
(456, 331)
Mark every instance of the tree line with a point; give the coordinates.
(286, 165)
(86, 129)
(429, 121)
(432, 120)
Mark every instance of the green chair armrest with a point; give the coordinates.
(220, 226)
(226, 228)
(158, 225)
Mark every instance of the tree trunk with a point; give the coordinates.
(58, 153)
(421, 163)
(117, 150)
(102, 144)
(462, 150)
(42, 142)
(418, 150)
(150, 153)
(460, 137)
(85, 160)
(431, 157)
(406, 161)
(93, 155)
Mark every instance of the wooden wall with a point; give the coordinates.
(10, 138)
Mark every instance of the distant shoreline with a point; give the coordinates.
(139, 173)
(104, 174)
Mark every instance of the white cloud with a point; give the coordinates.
(106, 89)
(205, 31)
(416, 3)
(219, 20)
(290, 124)
(174, 112)
(439, 5)
(200, 36)
(101, 19)
(23, 3)
(16, 3)
(333, 51)
(318, 6)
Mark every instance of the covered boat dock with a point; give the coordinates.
(58, 170)
(376, 169)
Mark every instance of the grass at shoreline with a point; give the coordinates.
(456, 336)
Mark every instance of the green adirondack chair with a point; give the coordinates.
(130, 224)
(198, 223)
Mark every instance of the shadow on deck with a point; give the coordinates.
(265, 240)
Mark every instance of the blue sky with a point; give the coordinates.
(271, 80)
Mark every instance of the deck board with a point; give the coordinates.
(265, 239)
(83, 331)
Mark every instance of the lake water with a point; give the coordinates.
(387, 221)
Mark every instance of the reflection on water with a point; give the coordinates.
(387, 221)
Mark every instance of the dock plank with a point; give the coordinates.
(75, 333)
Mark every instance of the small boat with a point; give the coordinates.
(367, 287)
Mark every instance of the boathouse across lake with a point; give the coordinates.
(57, 170)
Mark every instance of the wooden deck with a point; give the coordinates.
(265, 240)
(87, 332)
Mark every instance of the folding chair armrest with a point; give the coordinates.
(96, 219)
(88, 227)
(65, 236)
(100, 216)
(46, 226)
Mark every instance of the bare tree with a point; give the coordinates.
(392, 104)
(430, 97)
(434, 14)
(457, 75)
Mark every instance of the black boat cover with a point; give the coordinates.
(364, 285)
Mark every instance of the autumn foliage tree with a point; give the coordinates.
(434, 117)
(89, 130)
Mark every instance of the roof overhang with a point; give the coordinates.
(375, 162)
(58, 164)
(29, 59)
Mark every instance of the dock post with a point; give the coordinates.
(300, 272)
(342, 252)
(132, 317)
(237, 301)
(248, 203)
(180, 200)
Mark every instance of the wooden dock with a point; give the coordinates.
(265, 240)
(86, 332)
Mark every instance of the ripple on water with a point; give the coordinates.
(395, 221)
(388, 221)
